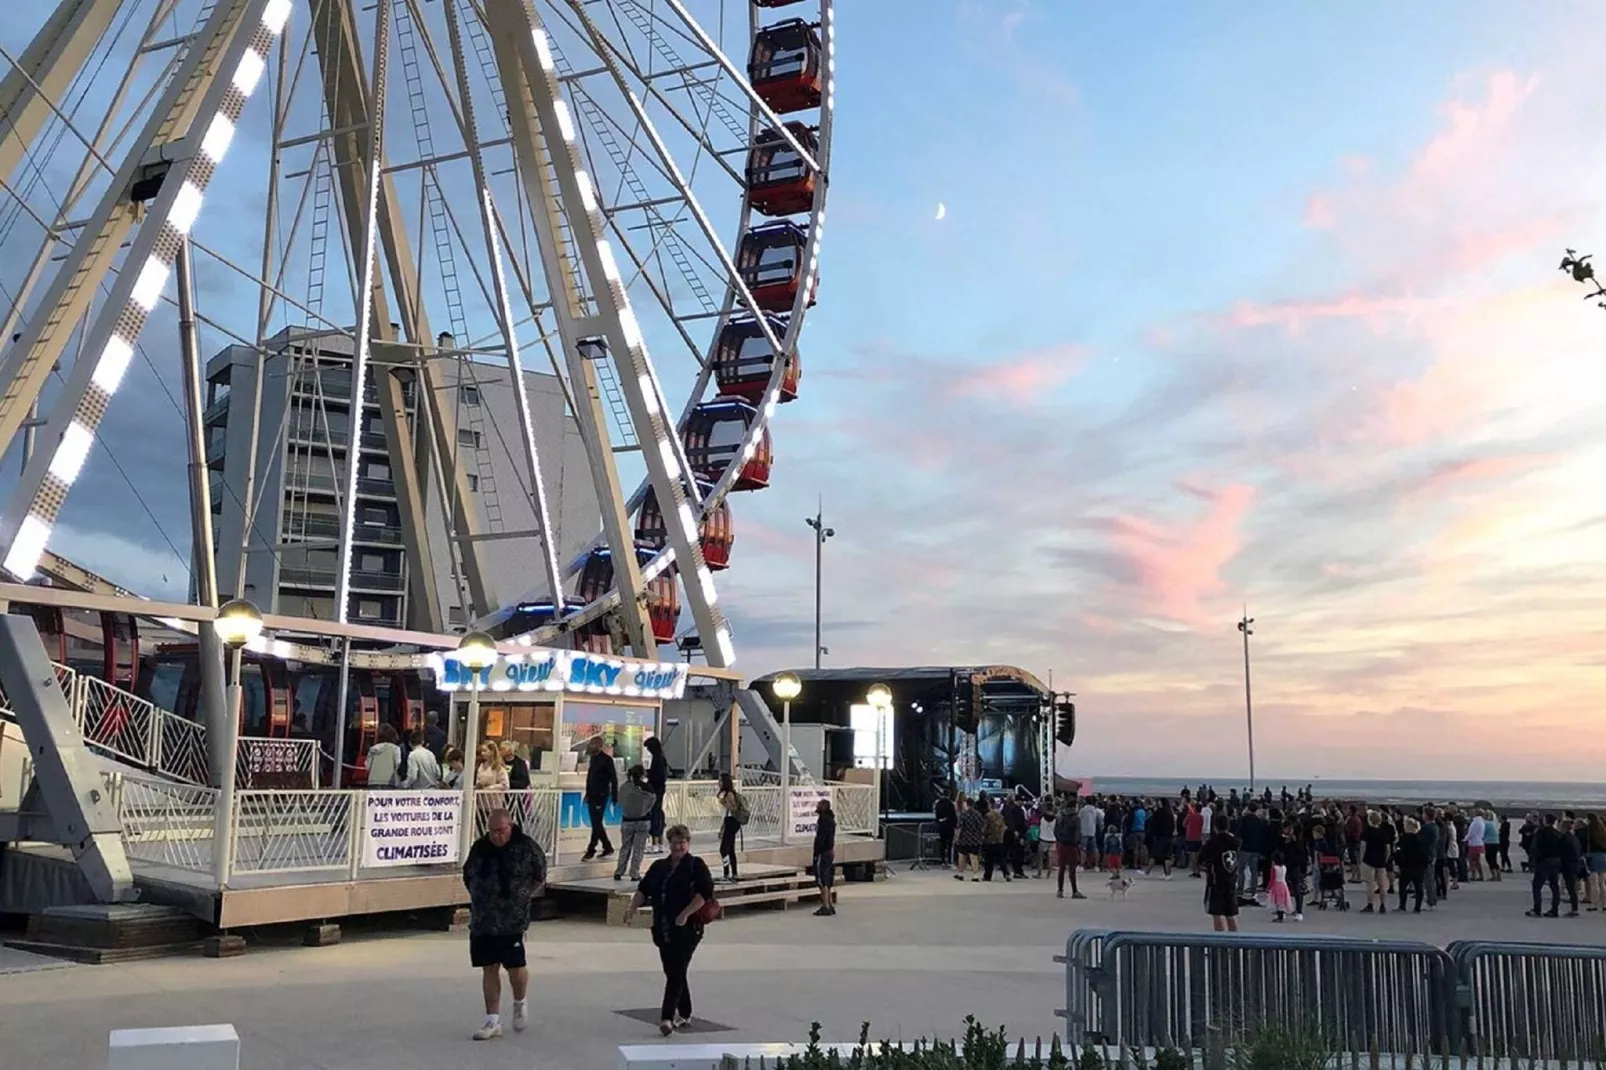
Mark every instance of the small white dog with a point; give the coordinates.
(1119, 883)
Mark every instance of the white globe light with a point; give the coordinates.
(879, 696)
(787, 686)
(238, 622)
(476, 650)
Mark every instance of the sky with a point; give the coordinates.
(1252, 305)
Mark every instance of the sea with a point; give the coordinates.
(1525, 794)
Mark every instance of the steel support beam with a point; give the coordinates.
(44, 72)
(530, 93)
(335, 41)
(188, 132)
(638, 382)
(67, 777)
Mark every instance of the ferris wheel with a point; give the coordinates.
(627, 195)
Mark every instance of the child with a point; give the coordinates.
(1278, 896)
(1112, 849)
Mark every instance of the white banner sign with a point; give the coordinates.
(411, 828)
(801, 810)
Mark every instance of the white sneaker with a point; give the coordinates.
(490, 1030)
(521, 1015)
(1299, 917)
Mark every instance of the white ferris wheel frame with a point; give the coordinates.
(190, 127)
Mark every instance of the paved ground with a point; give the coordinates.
(913, 956)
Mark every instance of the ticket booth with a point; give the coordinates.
(551, 704)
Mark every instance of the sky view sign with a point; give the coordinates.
(570, 671)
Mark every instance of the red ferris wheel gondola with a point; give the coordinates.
(663, 595)
(713, 437)
(743, 360)
(785, 67)
(770, 259)
(715, 531)
(778, 182)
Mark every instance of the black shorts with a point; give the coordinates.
(825, 869)
(1161, 848)
(492, 950)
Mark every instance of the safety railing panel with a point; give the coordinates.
(535, 810)
(1194, 991)
(117, 722)
(695, 804)
(276, 763)
(167, 824)
(1531, 1001)
(294, 831)
(181, 750)
(854, 805)
(1083, 1013)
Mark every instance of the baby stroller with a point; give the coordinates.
(1330, 882)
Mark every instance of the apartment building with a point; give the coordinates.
(306, 439)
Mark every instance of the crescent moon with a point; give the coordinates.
(942, 210)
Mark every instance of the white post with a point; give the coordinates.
(471, 732)
(228, 746)
(786, 771)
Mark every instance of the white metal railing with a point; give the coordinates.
(855, 807)
(167, 824)
(117, 722)
(270, 760)
(295, 831)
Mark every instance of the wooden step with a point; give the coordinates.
(113, 926)
(97, 956)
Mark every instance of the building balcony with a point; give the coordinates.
(375, 488)
(297, 576)
(313, 435)
(387, 582)
(328, 527)
(374, 440)
(302, 480)
(373, 533)
(217, 412)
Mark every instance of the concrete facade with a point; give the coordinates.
(305, 438)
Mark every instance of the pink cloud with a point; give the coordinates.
(1295, 315)
(1025, 378)
(1321, 211)
(1479, 470)
(1179, 566)
(1475, 129)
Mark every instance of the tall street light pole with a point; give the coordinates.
(1244, 626)
(786, 687)
(821, 533)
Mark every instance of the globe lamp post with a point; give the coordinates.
(880, 698)
(786, 687)
(237, 623)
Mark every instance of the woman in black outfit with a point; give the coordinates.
(729, 826)
(658, 784)
(676, 886)
(1411, 856)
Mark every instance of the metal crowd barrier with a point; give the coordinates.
(1531, 1001)
(1193, 990)
(915, 842)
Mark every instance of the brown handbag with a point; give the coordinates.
(711, 910)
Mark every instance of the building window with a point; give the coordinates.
(468, 437)
(370, 608)
(473, 481)
(377, 515)
(373, 563)
(454, 615)
(468, 394)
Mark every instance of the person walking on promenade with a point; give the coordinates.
(825, 857)
(1546, 860)
(1193, 838)
(1505, 843)
(1595, 856)
(602, 788)
(1412, 854)
(1296, 861)
(1137, 823)
(1252, 834)
(504, 869)
(1572, 857)
(992, 847)
(1433, 841)
(1091, 820)
(1015, 831)
(1377, 843)
(1354, 829)
(676, 887)
(1218, 863)
(947, 815)
(658, 781)
(1162, 828)
(1278, 896)
(1491, 843)
(636, 801)
(735, 811)
(1068, 847)
(970, 832)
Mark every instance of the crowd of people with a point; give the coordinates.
(1277, 851)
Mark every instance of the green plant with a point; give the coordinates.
(1282, 1047)
(980, 1049)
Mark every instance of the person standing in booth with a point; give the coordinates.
(518, 770)
(602, 788)
(658, 781)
